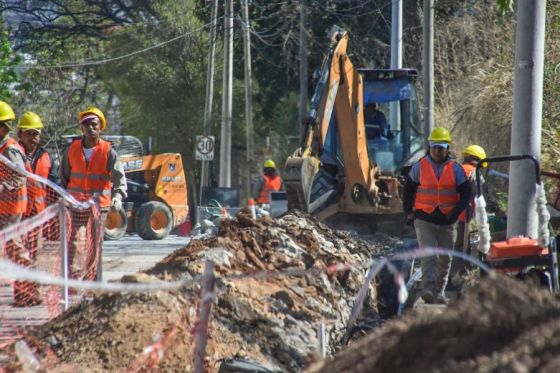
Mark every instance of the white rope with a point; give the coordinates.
(544, 217)
(14, 271)
(483, 226)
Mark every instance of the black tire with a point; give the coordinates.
(115, 225)
(153, 220)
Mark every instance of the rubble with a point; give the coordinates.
(500, 325)
(272, 320)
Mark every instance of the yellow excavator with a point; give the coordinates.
(346, 172)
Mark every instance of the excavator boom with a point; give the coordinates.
(340, 168)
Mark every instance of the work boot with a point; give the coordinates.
(427, 296)
(441, 299)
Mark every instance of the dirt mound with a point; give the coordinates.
(270, 319)
(501, 325)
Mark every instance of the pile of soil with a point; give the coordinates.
(272, 320)
(500, 325)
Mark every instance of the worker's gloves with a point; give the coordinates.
(116, 203)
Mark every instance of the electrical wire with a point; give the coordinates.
(108, 60)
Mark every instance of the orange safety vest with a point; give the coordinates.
(271, 184)
(470, 171)
(87, 178)
(435, 193)
(37, 192)
(12, 202)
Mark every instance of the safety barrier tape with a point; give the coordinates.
(14, 271)
(382, 261)
(21, 229)
(61, 191)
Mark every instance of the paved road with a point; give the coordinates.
(131, 254)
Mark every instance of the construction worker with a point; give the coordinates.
(435, 193)
(29, 130)
(472, 155)
(90, 168)
(269, 182)
(38, 161)
(13, 198)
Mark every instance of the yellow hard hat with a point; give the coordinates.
(475, 151)
(440, 134)
(269, 164)
(30, 121)
(6, 112)
(94, 111)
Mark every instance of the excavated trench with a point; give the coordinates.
(498, 325)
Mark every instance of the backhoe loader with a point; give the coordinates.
(157, 192)
(342, 174)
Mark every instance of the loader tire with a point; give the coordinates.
(153, 220)
(115, 225)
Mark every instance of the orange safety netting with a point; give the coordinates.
(41, 228)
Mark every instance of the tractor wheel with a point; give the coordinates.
(153, 220)
(115, 225)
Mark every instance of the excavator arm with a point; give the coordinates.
(331, 171)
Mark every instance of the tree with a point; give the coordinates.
(8, 61)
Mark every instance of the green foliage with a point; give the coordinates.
(8, 60)
(283, 120)
(505, 6)
(161, 91)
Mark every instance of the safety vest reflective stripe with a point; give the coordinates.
(8, 197)
(271, 184)
(470, 171)
(90, 192)
(12, 202)
(93, 177)
(435, 193)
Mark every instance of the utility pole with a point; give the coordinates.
(209, 90)
(248, 90)
(527, 115)
(396, 56)
(225, 139)
(303, 79)
(428, 68)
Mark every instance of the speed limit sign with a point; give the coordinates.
(205, 148)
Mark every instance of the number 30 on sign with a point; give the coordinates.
(205, 148)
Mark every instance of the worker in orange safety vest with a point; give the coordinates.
(13, 200)
(270, 181)
(472, 155)
(90, 168)
(435, 193)
(39, 160)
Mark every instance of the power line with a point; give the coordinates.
(107, 60)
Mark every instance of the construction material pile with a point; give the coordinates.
(501, 325)
(272, 320)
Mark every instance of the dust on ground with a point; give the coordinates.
(270, 320)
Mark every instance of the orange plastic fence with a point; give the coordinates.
(40, 225)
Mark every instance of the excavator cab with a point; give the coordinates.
(394, 132)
